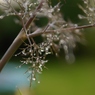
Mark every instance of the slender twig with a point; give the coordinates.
(39, 31)
(80, 27)
(18, 40)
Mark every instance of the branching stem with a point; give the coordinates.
(18, 40)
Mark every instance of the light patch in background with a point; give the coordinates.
(12, 77)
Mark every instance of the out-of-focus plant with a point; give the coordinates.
(57, 33)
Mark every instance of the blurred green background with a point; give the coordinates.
(60, 78)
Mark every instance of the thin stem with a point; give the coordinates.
(80, 27)
(14, 46)
(39, 31)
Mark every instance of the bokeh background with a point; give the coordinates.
(60, 78)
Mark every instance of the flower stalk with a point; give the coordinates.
(18, 40)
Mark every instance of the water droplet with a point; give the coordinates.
(90, 22)
(1, 17)
(42, 50)
(58, 9)
(35, 3)
(56, 54)
(23, 52)
(50, 44)
(38, 81)
(91, 9)
(85, 1)
(62, 41)
(19, 66)
(15, 54)
(33, 79)
(40, 66)
(30, 50)
(47, 48)
(34, 54)
(81, 17)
